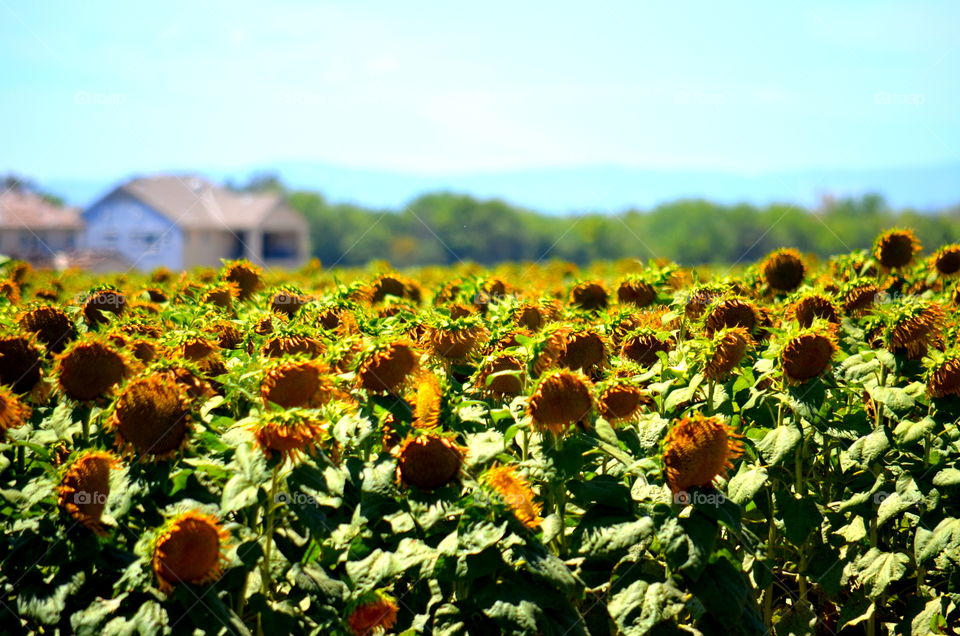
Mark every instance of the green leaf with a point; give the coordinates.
(876, 570)
(866, 450)
(946, 536)
(484, 446)
(947, 477)
(778, 443)
(639, 607)
(239, 493)
(908, 432)
(744, 486)
(800, 516)
(47, 608)
(605, 432)
(597, 541)
(368, 573)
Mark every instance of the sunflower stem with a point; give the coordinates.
(711, 386)
(20, 459)
(771, 540)
(266, 577)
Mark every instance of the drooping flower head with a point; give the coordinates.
(247, 277)
(808, 308)
(501, 375)
(943, 374)
(52, 326)
(291, 383)
(289, 432)
(808, 354)
(84, 488)
(101, 301)
(13, 412)
(644, 345)
(589, 295)
(732, 312)
(288, 300)
(636, 291)
(725, 351)
(374, 613)
(151, 417)
(426, 400)
(562, 397)
(619, 400)
(697, 450)
(387, 367)
(428, 461)
(516, 493)
(946, 261)
(90, 367)
(21, 361)
(913, 325)
(190, 548)
(456, 339)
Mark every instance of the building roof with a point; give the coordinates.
(192, 202)
(24, 209)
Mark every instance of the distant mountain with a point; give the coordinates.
(594, 188)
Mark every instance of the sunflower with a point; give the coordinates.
(304, 384)
(374, 613)
(387, 368)
(860, 298)
(620, 401)
(728, 346)
(20, 362)
(509, 384)
(732, 312)
(943, 377)
(516, 493)
(807, 355)
(946, 261)
(288, 301)
(152, 417)
(589, 295)
(247, 278)
(190, 548)
(84, 488)
(100, 301)
(458, 339)
(783, 270)
(394, 285)
(13, 412)
(583, 349)
(916, 325)
(813, 306)
(644, 345)
(288, 433)
(561, 398)
(636, 292)
(895, 249)
(292, 344)
(228, 335)
(156, 295)
(428, 461)
(697, 450)
(10, 290)
(530, 316)
(427, 401)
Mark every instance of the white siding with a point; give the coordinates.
(143, 236)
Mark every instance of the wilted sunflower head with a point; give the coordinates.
(943, 374)
(394, 285)
(808, 354)
(161, 275)
(289, 432)
(619, 400)
(725, 351)
(196, 348)
(21, 361)
(531, 316)
(84, 488)
(428, 461)
(10, 290)
(227, 333)
(914, 325)
(562, 397)
(501, 375)
(151, 417)
(732, 312)
(291, 342)
(516, 493)
(696, 300)
(13, 412)
(783, 270)
(456, 339)
(895, 249)
(644, 345)
(190, 548)
(946, 261)
(305, 384)
(247, 277)
(221, 295)
(812, 306)
(387, 368)
(583, 349)
(288, 300)
(374, 613)
(100, 301)
(589, 295)
(859, 298)
(697, 450)
(637, 292)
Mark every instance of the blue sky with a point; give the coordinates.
(103, 89)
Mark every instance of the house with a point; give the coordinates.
(185, 221)
(34, 229)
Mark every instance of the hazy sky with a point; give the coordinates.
(102, 89)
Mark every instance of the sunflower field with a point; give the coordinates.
(625, 448)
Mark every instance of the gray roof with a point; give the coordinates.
(193, 202)
(23, 209)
